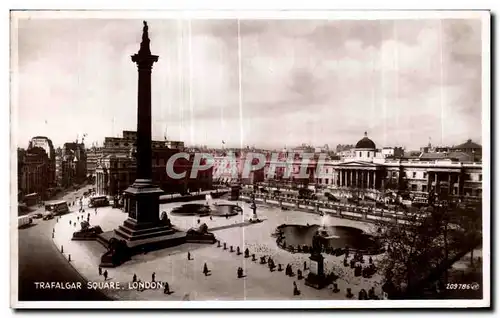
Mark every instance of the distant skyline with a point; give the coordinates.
(279, 83)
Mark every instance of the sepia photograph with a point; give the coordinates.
(165, 159)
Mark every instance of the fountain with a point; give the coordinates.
(334, 237)
(324, 231)
(208, 199)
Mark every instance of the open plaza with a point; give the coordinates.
(185, 277)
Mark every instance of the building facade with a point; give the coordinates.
(34, 167)
(372, 175)
(93, 156)
(71, 164)
(46, 144)
(116, 167)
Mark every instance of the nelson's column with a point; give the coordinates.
(143, 226)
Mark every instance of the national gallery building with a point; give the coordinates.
(367, 172)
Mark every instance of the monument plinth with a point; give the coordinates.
(143, 230)
(316, 277)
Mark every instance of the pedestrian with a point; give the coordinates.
(166, 288)
(100, 271)
(105, 274)
(189, 256)
(305, 265)
(134, 278)
(205, 269)
(296, 290)
(69, 257)
(62, 249)
(153, 276)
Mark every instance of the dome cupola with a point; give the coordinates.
(365, 143)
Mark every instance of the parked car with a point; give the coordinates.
(37, 216)
(48, 216)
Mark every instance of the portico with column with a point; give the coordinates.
(359, 177)
(445, 180)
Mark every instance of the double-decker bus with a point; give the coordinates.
(24, 221)
(57, 207)
(98, 201)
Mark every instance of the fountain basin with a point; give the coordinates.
(335, 237)
(191, 209)
(225, 209)
(197, 209)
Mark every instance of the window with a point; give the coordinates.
(424, 188)
(394, 174)
(413, 187)
(326, 181)
(425, 175)
(480, 177)
(368, 154)
(414, 175)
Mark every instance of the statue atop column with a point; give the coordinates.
(145, 40)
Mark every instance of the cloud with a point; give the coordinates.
(315, 81)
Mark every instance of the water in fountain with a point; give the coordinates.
(324, 230)
(324, 218)
(208, 198)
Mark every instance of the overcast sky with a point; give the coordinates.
(311, 81)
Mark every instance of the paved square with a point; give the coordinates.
(185, 277)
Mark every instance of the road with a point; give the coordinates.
(40, 261)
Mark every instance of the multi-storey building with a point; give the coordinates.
(471, 148)
(392, 152)
(71, 164)
(46, 144)
(93, 156)
(116, 167)
(373, 175)
(34, 167)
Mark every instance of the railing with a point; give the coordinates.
(344, 210)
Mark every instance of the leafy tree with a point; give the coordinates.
(421, 248)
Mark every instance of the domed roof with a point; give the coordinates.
(365, 143)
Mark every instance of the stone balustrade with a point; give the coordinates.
(345, 210)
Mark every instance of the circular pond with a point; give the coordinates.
(197, 209)
(225, 209)
(191, 209)
(335, 237)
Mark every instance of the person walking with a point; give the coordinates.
(105, 275)
(153, 276)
